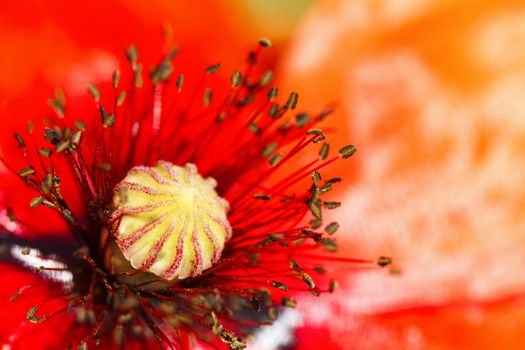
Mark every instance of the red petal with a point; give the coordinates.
(15, 330)
(461, 325)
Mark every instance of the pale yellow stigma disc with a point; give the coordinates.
(169, 220)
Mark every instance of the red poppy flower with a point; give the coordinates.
(168, 208)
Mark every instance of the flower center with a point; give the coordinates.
(169, 220)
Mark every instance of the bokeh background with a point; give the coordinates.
(432, 93)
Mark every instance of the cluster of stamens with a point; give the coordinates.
(201, 250)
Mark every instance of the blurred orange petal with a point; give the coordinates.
(431, 93)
